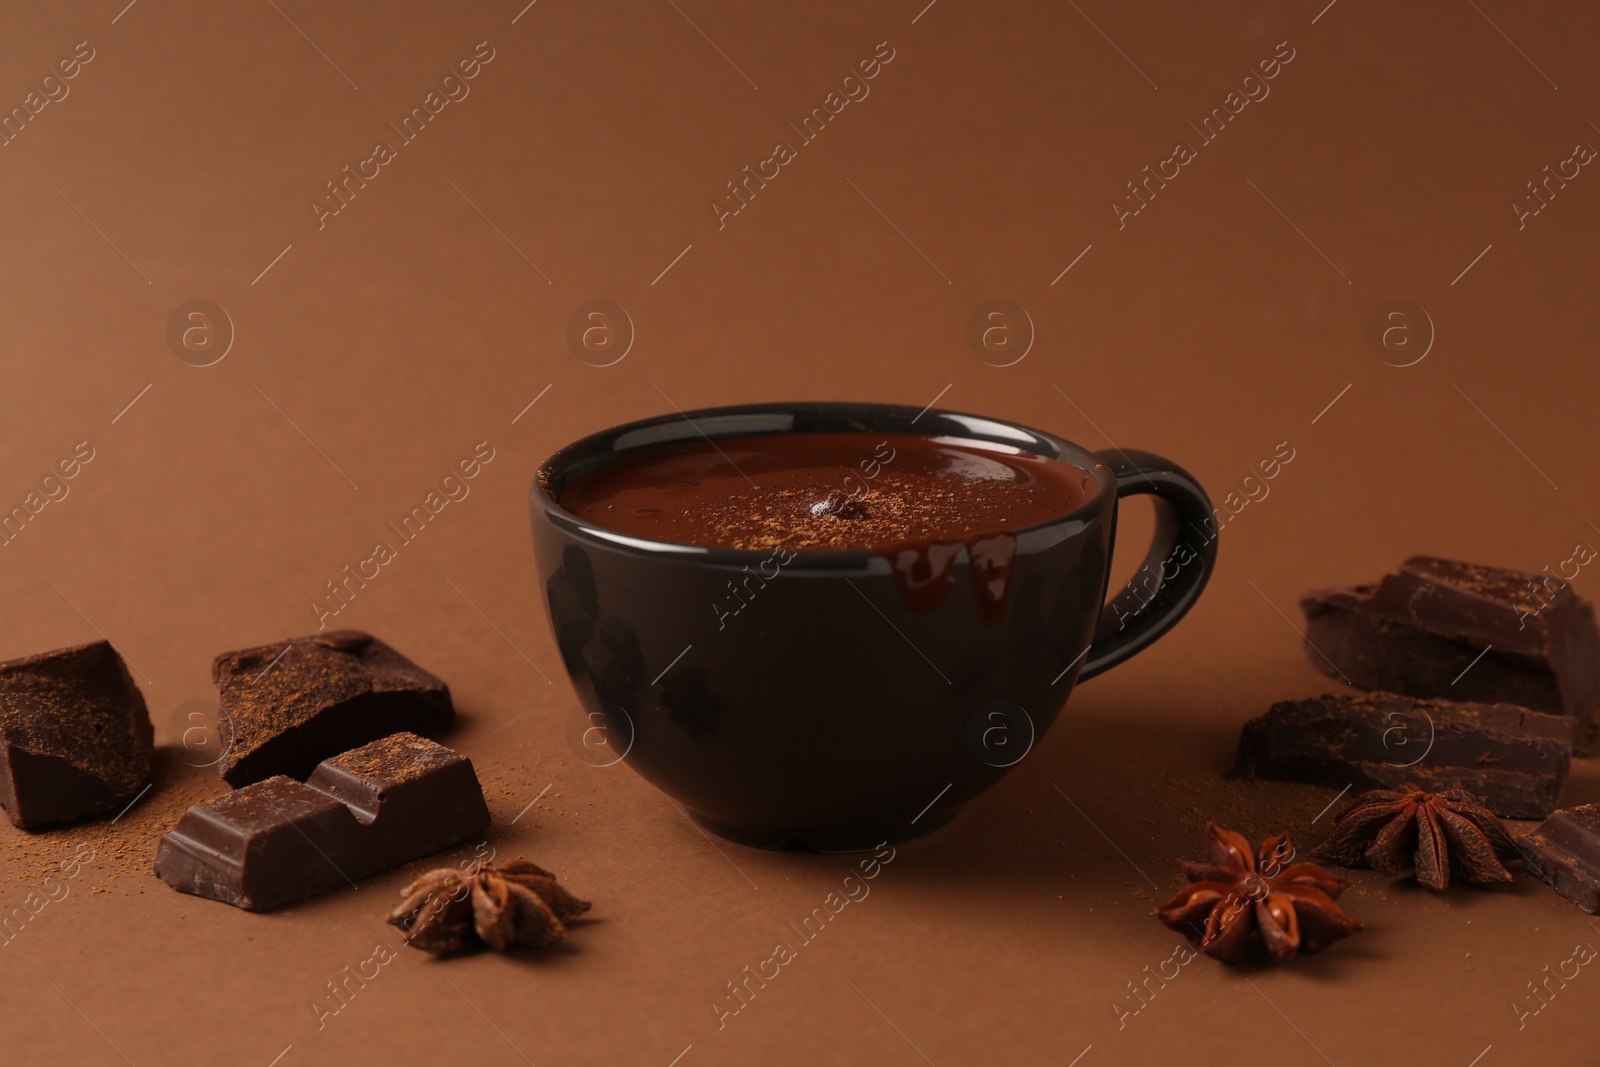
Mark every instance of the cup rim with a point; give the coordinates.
(743, 420)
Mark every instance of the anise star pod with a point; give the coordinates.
(518, 903)
(1241, 900)
(1393, 831)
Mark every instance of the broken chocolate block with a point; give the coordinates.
(75, 737)
(1436, 628)
(288, 706)
(1565, 851)
(1514, 760)
(365, 811)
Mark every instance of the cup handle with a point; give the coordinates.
(1175, 570)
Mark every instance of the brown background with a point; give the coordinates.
(1211, 328)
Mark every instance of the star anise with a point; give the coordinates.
(1241, 899)
(517, 903)
(1394, 831)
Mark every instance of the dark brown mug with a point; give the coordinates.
(832, 714)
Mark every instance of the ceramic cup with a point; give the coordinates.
(826, 712)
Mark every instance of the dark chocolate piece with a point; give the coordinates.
(1422, 630)
(1514, 760)
(362, 812)
(1565, 851)
(75, 737)
(288, 706)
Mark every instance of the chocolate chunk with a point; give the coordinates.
(1514, 760)
(75, 738)
(288, 706)
(1565, 851)
(361, 812)
(1422, 629)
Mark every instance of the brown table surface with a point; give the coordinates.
(372, 351)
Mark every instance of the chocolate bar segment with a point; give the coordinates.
(1424, 631)
(1514, 760)
(75, 736)
(288, 706)
(1565, 851)
(280, 840)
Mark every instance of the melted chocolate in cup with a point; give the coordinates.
(914, 500)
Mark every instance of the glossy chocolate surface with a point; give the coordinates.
(916, 500)
(827, 490)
